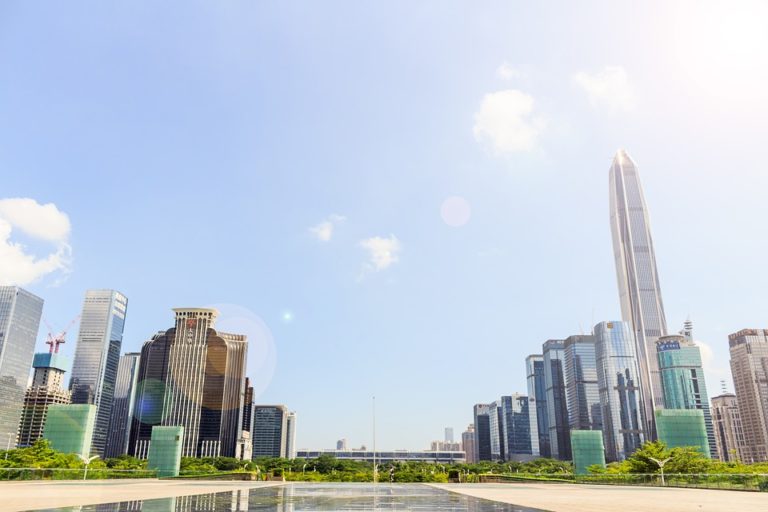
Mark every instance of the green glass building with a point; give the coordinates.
(587, 449)
(69, 427)
(165, 448)
(682, 379)
(682, 427)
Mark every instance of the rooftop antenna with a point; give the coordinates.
(54, 341)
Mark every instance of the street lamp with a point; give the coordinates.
(87, 461)
(661, 463)
(304, 467)
(8, 448)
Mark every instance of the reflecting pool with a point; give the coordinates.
(320, 497)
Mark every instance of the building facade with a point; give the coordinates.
(290, 436)
(191, 376)
(749, 367)
(519, 431)
(638, 278)
(557, 409)
(729, 434)
(683, 381)
(495, 422)
(69, 428)
(94, 369)
(270, 431)
(620, 393)
(537, 397)
(481, 414)
(678, 428)
(122, 404)
(468, 444)
(582, 396)
(20, 313)
(47, 389)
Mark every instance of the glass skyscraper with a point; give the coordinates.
(122, 405)
(581, 391)
(270, 431)
(620, 393)
(481, 413)
(537, 397)
(637, 276)
(557, 410)
(749, 367)
(683, 380)
(20, 313)
(94, 369)
(519, 430)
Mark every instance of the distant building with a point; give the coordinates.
(537, 395)
(47, 389)
(682, 427)
(468, 444)
(497, 431)
(94, 369)
(20, 313)
(290, 436)
(582, 396)
(683, 379)
(617, 376)
(729, 434)
(341, 445)
(749, 367)
(270, 431)
(519, 430)
(247, 406)
(122, 405)
(482, 432)
(557, 410)
(69, 428)
(440, 446)
(448, 434)
(387, 456)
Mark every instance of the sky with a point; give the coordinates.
(392, 199)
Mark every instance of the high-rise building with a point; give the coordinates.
(729, 434)
(97, 354)
(638, 278)
(749, 367)
(270, 431)
(678, 428)
(683, 379)
(247, 406)
(582, 396)
(47, 389)
(341, 445)
(20, 313)
(290, 436)
(468, 444)
(122, 404)
(448, 434)
(537, 397)
(481, 413)
(519, 431)
(617, 379)
(557, 409)
(495, 424)
(191, 376)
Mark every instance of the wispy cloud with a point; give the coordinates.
(506, 122)
(382, 252)
(324, 230)
(609, 88)
(43, 222)
(507, 72)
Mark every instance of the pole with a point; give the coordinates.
(375, 472)
(8, 448)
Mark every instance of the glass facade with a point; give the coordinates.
(122, 405)
(637, 275)
(537, 396)
(290, 436)
(20, 313)
(497, 433)
(683, 380)
(69, 428)
(587, 447)
(519, 431)
(557, 409)
(270, 431)
(165, 449)
(682, 427)
(482, 431)
(94, 369)
(620, 393)
(582, 396)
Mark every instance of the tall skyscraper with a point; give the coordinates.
(749, 367)
(482, 424)
(617, 378)
(638, 278)
(448, 434)
(290, 436)
(192, 376)
(729, 434)
(270, 431)
(537, 397)
(97, 354)
(20, 313)
(122, 404)
(557, 410)
(468, 444)
(519, 431)
(247, 406)
(582, 396)
(683, 379)
(47, 389)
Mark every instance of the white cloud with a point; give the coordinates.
(382, 252)
(507, 72)
(44, 222)
(608, 88)
(507, 123)
(324, 230)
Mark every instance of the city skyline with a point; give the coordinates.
(358, 196)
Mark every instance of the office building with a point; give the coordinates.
(588, 450)
(385, 457)
(448, 434)
(620, 394)
(468, 444)
(247, 405)
(683, 379)
(519, 432)
(729, 434)
(290, 436)
(69, 428)
(557, 409)
(165, 449)
(497, 432)
(122, 404)
(582, 396)
(47, 389)
(191, 376)
(537, 396)
(20, 313)
(481, 414)
(638, 278)
(97, 354)
(270, 431)
(683, 427)
(444, 446)
(341, 445)
(749, 367)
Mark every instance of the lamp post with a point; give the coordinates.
(8, 448)
(375, 472)
(661, 463)
(87, 461)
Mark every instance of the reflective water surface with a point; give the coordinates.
(320, 497)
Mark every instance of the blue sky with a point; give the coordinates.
(193, 146)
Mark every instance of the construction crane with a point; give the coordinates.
(54, 340)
